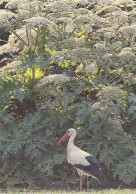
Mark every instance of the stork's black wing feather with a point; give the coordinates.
(93, 161)
(92, 169)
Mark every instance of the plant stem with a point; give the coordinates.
(106, 73)
(33, 73)
(99, 78)
(117, 76)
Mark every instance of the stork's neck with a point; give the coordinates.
(71, 140)
(70, 146)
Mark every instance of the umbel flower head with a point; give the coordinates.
(39, 21)
(12, 66)
(82, 11)
(62, 20)
(26, 5)
(99, 46)
(110, 93)
(118, 44)
(108, 9)
(53, 79)
(116, 122)
(107, 56)
(126, 57)
(80, 54)
(57, 56)
(14, 4)
(119, 16)
(6, 15)
(124, 2)
(82, 20)
(6, 48)
(59, 8)
(81, 3)
(109, 35)
(126, 49)
(107, 29)
(128, 30)
(71, 43)
(90, 68)
(96, 105)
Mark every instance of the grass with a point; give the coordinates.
(110, 191)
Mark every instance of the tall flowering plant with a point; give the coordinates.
(69, 64)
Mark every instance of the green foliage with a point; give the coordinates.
(56, 88)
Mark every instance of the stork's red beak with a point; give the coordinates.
(64, 137)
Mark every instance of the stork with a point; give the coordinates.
(84, 162)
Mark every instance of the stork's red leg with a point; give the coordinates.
(87, 183)
(80, 182)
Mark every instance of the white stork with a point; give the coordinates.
(84, 162)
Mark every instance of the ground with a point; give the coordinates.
(110, 191)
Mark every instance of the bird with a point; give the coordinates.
(84, 162)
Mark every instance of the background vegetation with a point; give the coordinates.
(67, 64)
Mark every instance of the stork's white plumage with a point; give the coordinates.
(84, 162)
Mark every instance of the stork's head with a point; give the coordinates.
(69, 132)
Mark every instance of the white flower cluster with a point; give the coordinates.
(31, 6)
(96, 105)
(14, 4)
(15, 63)
(99, 20)
(72, 43)
(69, 28)
(124, 2)
(107, 29)
(102, 3)
(90, 68)
(127, 58)
(109, 35)
(53, 79)
(69, 17)
(82, 11)
(134, 47)
(6, 15)
(88, 28)
(58, 55)
(119, 16)
(82, 20)
(118, 44)
(63, 20)
(81, 3)
(58, 8)
(116, 122)
(107, 9)
(24, 13)
(38, 21)
(6, 48)
(126, 49)
(107, 56)
(133, 12)
(11, 66)
(109, 93)
(128, 30)
(99, 46)
(80, 53)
